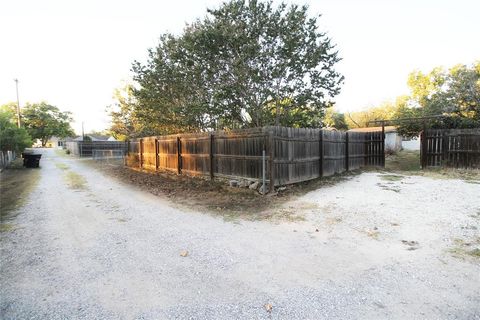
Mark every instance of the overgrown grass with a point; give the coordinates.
(405, 160)
(16, 185)
(463, 249)
(408, 163)
(75, 181)
(61, 166)
(391, 177)
(61, 153)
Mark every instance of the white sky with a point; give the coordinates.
(74, 53)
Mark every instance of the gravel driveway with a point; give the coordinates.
(85, 246)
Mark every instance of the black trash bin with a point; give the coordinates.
(31, 160)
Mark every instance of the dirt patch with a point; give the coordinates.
(16, 184)
(216, 196)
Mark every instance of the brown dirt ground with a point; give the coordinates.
(216, 196)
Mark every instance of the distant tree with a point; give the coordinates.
(248, 63)
(125, 123)
(385, 111)
(12, 138)
(335, 120)
(44, 121)
(454, 93)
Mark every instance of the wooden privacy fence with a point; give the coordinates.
(291, 154)
(457, 148)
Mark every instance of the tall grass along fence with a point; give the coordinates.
(90, 148)
(5, 158)
(282, 155)
(457, 148)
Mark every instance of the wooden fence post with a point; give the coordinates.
(346, 152)
(320, 153)
(423, 146)
(127, 152)
(444, 149)
(156, 155)
(271, 146)
(382, 148)
(140, 149)
(211, 156)
(179, 155)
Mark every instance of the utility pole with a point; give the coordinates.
(18, 105)
(83, 133)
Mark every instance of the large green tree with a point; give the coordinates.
(452, 93)
(248, 63)
(12, 138)
(44, 121)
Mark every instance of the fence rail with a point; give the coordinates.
(457, 148)
(292, 154)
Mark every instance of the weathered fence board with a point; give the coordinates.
(291, 154)
(5, 158)
(457, 148)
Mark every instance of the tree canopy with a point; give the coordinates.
(246, 64)
(44, 121)
(12, 138)
(453, 93)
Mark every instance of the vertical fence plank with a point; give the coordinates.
(212, 143)
(320, 153)
(271, 151)
(179, 156)
(347, 165)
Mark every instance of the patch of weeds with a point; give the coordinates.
(474, 253)
(16, 185)
(391, 177)
(374, 234)
(332, 221)
(61, 152)
(472, 181)
(389, 188)
(75, 181)
(61, 166)
(463, 249)
(405, 160)
(6, 227)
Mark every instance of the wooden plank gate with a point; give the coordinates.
(456, 148)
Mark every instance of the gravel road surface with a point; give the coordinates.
(86, 246)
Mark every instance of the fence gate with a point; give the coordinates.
(457, 148)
